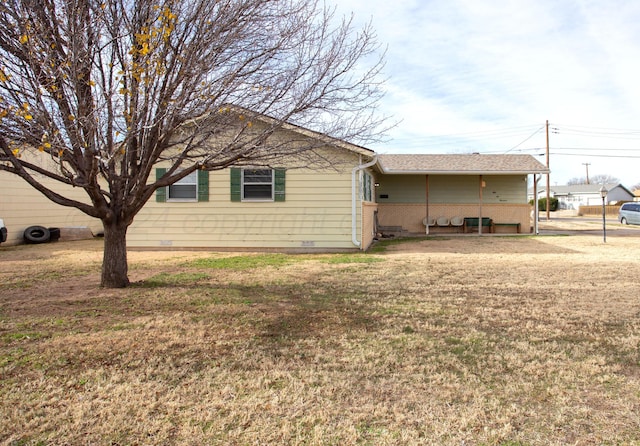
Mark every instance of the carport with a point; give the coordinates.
(416, 189)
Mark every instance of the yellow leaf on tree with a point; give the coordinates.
(15, 152)
(28, 117)
(24, 39)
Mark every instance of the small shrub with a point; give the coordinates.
(542, 204)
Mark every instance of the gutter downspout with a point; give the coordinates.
(354, 209)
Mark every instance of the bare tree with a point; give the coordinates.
(596, 179)
(604, 179)
(107, 89)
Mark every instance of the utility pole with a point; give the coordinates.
(548, 206)
(587, 165)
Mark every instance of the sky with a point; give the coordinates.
(484, 76)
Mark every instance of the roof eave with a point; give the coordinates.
(459, 172)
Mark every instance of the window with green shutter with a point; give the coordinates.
(257, 184)
(193, 187)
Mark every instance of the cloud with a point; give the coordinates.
(478, 69)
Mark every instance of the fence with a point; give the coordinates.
(610, 209)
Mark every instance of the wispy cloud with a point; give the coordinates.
(488, 74)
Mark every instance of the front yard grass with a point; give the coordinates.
(488, 341)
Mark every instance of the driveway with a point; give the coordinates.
(563, 224)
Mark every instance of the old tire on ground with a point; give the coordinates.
(54, 234)
(36, 234)
(3, 234)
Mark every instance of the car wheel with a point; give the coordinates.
(624, 221)
(36, 234)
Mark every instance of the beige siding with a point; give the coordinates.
(505, 189)
(457, 189)
(316, 213)
(22, 206)
(401, 189)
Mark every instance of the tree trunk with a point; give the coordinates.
(114, 262)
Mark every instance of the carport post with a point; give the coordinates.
(427, 204)
(481, 185)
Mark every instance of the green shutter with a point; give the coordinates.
(161, 192)
(203, 185)
(279, 184)
(236, 184)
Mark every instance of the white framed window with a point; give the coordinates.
(366, 183)
(257, 184)
(185, 189)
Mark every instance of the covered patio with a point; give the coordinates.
(426, 194)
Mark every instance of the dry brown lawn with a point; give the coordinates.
(460, 341)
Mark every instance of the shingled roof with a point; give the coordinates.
(471, 164)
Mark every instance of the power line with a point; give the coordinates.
(591, 129)
(608, 150)
(597, 156)
(525, 140)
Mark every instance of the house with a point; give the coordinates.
(573, 196)
(441, 187)
(310, 205)
(318, 205)
(336, 208)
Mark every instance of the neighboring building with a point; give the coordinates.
(573, 196)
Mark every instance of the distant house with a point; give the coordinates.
(573, 196)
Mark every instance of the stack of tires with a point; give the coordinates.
(3, 232)
(40, 234)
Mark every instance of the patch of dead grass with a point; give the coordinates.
(496, 341)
